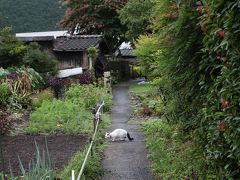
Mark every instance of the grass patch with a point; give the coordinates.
(140, 88)
(171, 156)
(60, 117)
(93, 169)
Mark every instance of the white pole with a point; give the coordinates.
(73, 175)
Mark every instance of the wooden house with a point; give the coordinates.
(69, 50)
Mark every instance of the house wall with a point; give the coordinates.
(68, 59)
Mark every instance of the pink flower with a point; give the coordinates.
(202, 27)
(221, 33)
(200, 9)
(222, 126)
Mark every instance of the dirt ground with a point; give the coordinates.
(61, 148)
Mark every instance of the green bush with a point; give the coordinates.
(12, 49)
(60, 117)
(4, 95)
(45, 95)
(173, 156)
(39, 60)
(89, 96)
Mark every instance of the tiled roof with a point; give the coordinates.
(36, 38)
(124, 53)
(76, 43)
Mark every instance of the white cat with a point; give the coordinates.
(118, 134)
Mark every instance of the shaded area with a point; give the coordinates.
(61, 148)
(125, 160)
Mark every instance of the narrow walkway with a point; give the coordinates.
(125, 160)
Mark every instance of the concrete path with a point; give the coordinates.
(125, 160)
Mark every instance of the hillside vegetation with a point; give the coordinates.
(30, 15)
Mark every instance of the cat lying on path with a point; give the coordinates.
(118, 134)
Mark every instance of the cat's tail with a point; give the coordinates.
(129, 137)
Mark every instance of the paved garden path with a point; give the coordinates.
(125, 160)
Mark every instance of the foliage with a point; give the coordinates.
(60, 117)
(4, 73)
(11, 49)
(146, 47)
(137, 71)
(39, 60)
(5, 92)
(45, 95)
(95, 17)
(17, 85)
(30, 16)
(93, 169)
(86, 78)
(92, 52)
(136, 15)
(172, 156)
(40, 168)
(195, 67)
(57, 85)
(14, 53)
(89, 96)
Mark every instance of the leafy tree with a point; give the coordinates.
(95, 17)
(11, 49)
(39, 60)
(14, 53)
(136, 15)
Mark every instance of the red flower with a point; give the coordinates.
(206, 5)
(202, 27)
(206, 15)
(221, 33)
(225, 104)
(222, 126)
(200, 9)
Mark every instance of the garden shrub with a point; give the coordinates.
(4, 95)
(60, 117)
(13, 52)
(86, 78)
(89, 96)
(57, 85)
(12, 49)
(39, 60)
(45, 95)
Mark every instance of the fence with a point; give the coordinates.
(96, 120)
